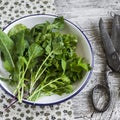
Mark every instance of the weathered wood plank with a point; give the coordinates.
(86, 14)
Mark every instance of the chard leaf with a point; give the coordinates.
(6, 47)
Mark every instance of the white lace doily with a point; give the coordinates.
(9, 11)
(12, 9)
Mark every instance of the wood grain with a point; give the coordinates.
(86, 14)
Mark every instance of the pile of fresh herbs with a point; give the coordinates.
(41, 60)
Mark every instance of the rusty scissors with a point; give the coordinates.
(111, 47)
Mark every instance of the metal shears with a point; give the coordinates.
(111, 47)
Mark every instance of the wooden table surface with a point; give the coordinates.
(86, 14)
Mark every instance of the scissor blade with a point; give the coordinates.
(108, 45)
(110, 52)
(116, 33)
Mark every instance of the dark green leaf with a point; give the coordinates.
(6, 46)
(16, 29)
(21, 62)
(34, 51)
(59, 22)
(20, 43)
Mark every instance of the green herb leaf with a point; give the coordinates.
(6, 46)
(59, 23)
(41, 60)
(34, 51)
(63, 62)
(16, 29)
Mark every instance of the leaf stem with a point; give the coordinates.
(33, 83)
(43, 64)
(36, 91)
(12, 102)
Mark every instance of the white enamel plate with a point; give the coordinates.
(84, 49)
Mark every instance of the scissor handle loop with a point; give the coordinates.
(99, 86)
